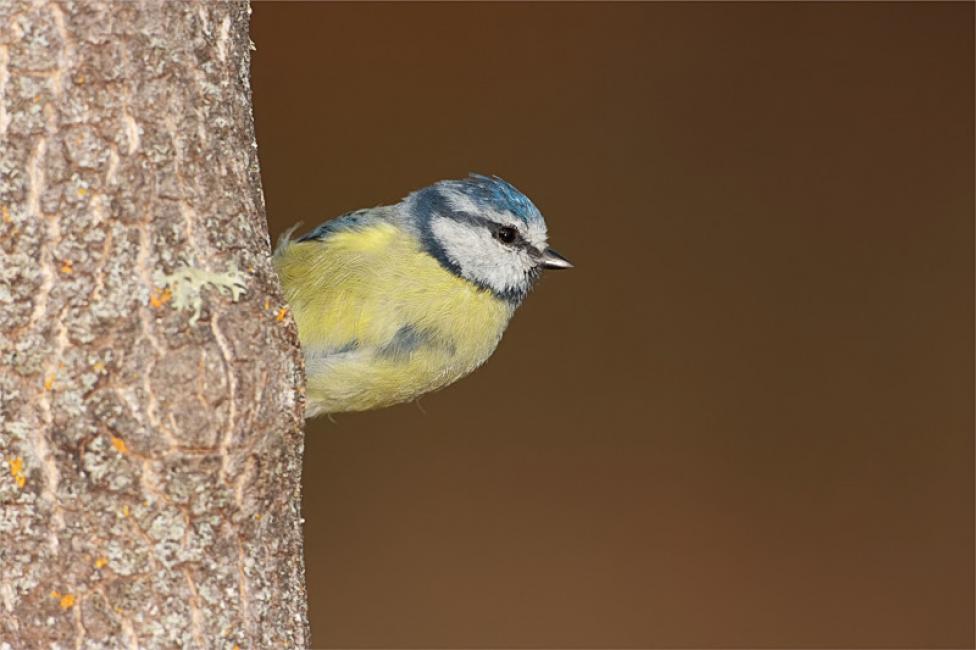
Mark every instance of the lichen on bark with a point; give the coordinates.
(150, 456)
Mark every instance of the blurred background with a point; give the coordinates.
(746, 418)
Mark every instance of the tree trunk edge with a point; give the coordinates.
(151, 419)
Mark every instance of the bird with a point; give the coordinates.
(399, 300)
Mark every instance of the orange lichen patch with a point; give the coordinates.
(125, 511)
(49, 381)
(66, 267)
(82, 192)
(159, 298)
(281, 314)
(98, 366)
(267, 304)
(101, 563)
(5, 214)
(119, 445)
(17, 471)
(55, 594)
(67, 601)
(236, 647)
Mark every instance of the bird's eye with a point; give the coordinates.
(506, 234)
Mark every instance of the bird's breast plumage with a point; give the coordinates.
(381, 320)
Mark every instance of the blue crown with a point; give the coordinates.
(493, 193)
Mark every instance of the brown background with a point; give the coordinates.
(746, 418)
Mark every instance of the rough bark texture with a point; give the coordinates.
(150, 420)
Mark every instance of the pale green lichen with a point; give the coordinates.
(185, 284)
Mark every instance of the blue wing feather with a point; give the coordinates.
(348, 221)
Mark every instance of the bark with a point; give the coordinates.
(150, 411)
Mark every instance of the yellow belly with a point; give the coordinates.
(381, 321)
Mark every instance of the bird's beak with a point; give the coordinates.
(553, 260)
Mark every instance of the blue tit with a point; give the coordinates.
(396, 301)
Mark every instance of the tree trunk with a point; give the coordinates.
(150, 411)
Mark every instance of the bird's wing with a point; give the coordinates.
(355, 220)
(341, 282)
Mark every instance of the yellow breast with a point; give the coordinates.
(381, 321)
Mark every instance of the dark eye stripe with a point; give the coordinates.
(493, 226)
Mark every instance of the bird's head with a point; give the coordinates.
(484, 230)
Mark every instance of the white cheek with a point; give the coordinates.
(480, 257)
